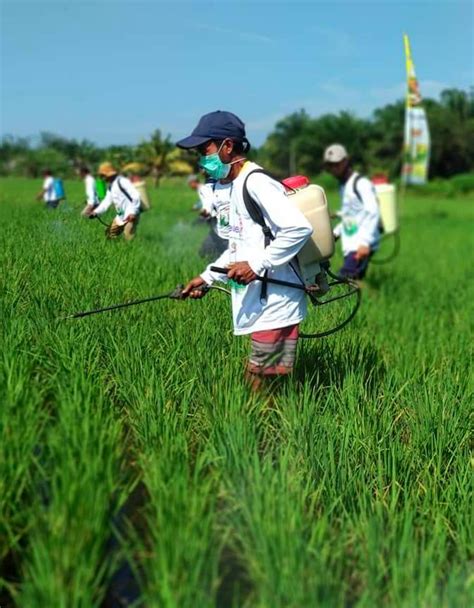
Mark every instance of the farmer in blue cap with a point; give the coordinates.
(272, 315)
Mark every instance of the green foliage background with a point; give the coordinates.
(131, 437)
(295, 145)
(298, 141)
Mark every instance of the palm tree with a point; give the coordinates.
(153, 153)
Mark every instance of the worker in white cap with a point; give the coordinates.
(360, 215)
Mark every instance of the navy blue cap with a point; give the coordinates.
(215, 125)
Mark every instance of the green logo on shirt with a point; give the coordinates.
(350, 227)
(237, 286)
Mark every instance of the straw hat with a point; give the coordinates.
(107, 170)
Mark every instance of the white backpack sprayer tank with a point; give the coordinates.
(313, 258)
(387, 198)
(386, 195)
(311, 200)
(142, 191)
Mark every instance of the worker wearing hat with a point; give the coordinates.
(126, 199)
(360, 215)
(271, 321)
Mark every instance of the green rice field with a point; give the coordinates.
(138, 469)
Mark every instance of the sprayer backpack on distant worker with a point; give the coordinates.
(366, 211)
(126, 200)
(52, 191)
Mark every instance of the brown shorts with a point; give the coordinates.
(129, 229)
(273, 351)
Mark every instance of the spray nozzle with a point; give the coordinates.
(177, 294)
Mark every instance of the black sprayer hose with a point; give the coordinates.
(102, 222)
(323, 334)
(354, 290)
(176, 294)
(393, 254)
(267, 280)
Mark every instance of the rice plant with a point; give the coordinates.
(131, 442)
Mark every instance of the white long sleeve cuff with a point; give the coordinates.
(210, 276)
(104, 205)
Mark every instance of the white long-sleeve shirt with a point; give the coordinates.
(217, 208)
(91, 193)
(284, 306)
(48, 189)
(360, 218)
(125, 197)
(206, 197)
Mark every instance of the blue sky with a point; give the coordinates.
(113, 71)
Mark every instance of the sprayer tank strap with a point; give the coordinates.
(123, 191)
(256, 213)
(357, 178)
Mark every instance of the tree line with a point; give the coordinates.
(157, 156)
(295, 145)
(375, 144)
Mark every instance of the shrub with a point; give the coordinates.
(325, 180)
(462, 183)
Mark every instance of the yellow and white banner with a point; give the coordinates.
(416, 147)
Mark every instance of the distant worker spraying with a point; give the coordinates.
(360, 215)
(271, 314)
(92, 199)
(124, 196)
(215, 213)
(194, 183)
(52, 191)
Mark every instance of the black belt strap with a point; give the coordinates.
(256, 213)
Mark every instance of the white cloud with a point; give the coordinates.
(250, 36)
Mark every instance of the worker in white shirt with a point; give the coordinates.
(194, 183)
(360, 214)
(124, 196)
(272, 319)
(92, 200)
(48, 191)
(215, 213)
